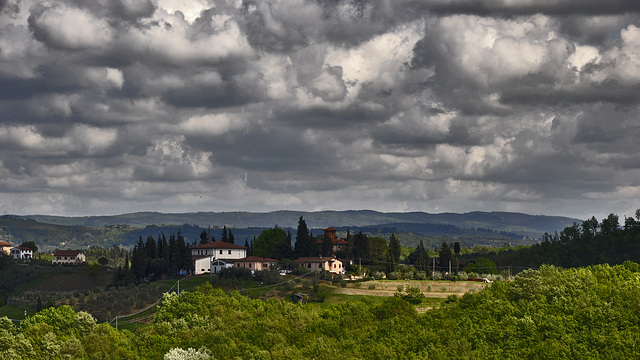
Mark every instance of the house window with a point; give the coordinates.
(249, 264)
(229, 252)
(220, 252)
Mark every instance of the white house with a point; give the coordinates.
(21, 253)
(204, 255)
(73, 257)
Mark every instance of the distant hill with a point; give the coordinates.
(527, 225)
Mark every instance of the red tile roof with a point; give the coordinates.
(315, 259)
(67, 253)
(4, 243)
(255, 259)
(218, 245)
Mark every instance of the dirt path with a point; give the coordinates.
(431, 289)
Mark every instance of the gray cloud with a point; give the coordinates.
(440, 105)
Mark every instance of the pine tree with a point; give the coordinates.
(302, 245)
(445, 255)
(204, 238)
(225, 234)
(422, 257)
(232, 239)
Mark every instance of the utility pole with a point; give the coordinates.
(434, 267)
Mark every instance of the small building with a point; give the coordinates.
(255, 263)
(21, 253)
(332, 265)
(5, 247)
(218, 265)
(201, 264)
(72, 257)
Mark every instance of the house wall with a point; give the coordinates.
(78, 259)
(221, 253)
(254, 265)
(202, 266)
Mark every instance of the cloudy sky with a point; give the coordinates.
(116, 106)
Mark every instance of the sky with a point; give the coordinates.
(117, 106)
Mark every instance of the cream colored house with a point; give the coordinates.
(72, 257)
(5, 247)
(332, 265)
(255, 263)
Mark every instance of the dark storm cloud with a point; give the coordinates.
(530, 7)
(394, 105)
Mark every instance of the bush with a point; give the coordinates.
(420, 275)
(395, 275)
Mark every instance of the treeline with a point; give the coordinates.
(592, 242)
(153, 258)
(527, 318)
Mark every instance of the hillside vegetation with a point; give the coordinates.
(548, 313)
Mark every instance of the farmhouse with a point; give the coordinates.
(337, 244)
(21, 253)
(73, 257)
(5, 247)
(256, 263)
(204, 255)
(332, 265)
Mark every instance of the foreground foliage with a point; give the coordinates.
(549, 313)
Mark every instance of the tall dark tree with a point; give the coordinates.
(151, 248)
(422, 257)
(361, 248)
(393, 253)
(232, 239)
(456, 248)
(305, 244)
(225, 234)
(445, 255)
(185, 253)
(204, 237)
(139, 260)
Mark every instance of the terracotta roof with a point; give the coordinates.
(67, 253)
(218, 245)
(330, 229)
(316, 259)
(255, 259)
(4, 243)
(23, 248)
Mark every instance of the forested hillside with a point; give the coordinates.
(582, 313)
(591, 242)
(517, 223)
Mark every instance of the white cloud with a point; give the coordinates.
(213, 124)
(70, 28)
